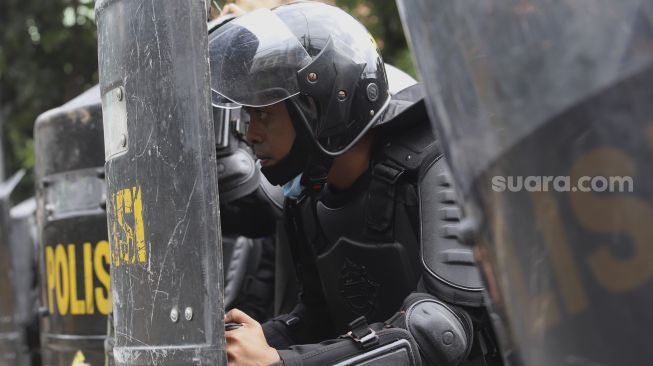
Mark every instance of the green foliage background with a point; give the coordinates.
(381, 18)
(48, 55)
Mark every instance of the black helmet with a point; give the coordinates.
(317, 58)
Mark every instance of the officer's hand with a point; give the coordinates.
(247, 345)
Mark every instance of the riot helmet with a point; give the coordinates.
(320, 61)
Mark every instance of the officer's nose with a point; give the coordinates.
(254, 133)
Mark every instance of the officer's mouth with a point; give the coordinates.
(265, 160)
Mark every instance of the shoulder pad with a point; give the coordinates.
(413, 149)
(411, 97)
(412, 93)
(408, 141)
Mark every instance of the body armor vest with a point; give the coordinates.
(360, 250)
(361, 271)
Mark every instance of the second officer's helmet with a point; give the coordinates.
(312, 55)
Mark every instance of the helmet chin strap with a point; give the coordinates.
(316, 173)
(303, 157)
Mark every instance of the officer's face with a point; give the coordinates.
(270, 132)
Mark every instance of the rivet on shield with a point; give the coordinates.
(342, 95)
(312, 77)
(174, 315)
(118, 93)
(123, 140)
(49, 208)
(371, 112)
(188, 313)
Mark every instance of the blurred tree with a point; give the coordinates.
(48, 55)
(381, 18)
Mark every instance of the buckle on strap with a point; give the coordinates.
(362, 334)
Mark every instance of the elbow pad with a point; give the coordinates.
(443, 334)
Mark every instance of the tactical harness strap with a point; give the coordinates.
(381, 202)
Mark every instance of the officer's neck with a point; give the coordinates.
(348, 167)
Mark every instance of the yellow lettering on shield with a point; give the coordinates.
(128, 234)
(79, 360)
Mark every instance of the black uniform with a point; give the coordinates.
(362, 252)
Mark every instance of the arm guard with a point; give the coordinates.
(449, 269)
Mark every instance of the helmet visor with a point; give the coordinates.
(254, 61)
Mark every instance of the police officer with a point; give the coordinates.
(251, 208)
(369, 208)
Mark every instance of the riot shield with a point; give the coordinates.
(545, 111)
(22, 235)
(13, 347)
(72, 231)
(162, 198)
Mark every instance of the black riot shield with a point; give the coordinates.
(22, 238)
(162, 194)
(545, 110)
(14, 349)
(72, 231)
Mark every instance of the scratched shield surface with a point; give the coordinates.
(162, 200)
(15, 308)
(549, 89)
(72, 237)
